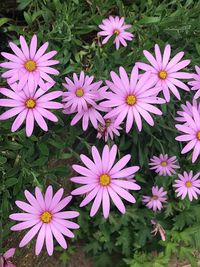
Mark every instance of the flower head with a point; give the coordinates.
(30, 105)
(191, 130)
(164, 165)
(132, 99)
(115, 26)
(166, 71)
(44, 216)
(108, 129)
(81, 92)
(5, 258)
(196, 83)
(187, 184)
(101, 180)
(29, 65)
(155, 201)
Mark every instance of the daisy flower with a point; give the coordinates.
(29, 64)
(115, 26)
(101, 180)
(108, 129)
(187, 108)
(80, 92)
(132, 99)
(196, 83)
(188, 185)
(5, 258)
(191, 130)
(164, 165)
(155, 201)
(44, 216)
(30, 105)
(167, 72)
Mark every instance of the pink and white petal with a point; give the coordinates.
(24, 47)
(48, 196)
(30, 235)
(49, 240)
(97, 202)
(116, 200)
(105, 202)
(9, 253)
(58, 236)
(25, 225)
(19, 120)
(62, 204)
(90, 196)
(40, 239)
(56, 198)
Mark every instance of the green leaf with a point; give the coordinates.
(149, 20)
(10, 182)
(3, 21)
(3, 160)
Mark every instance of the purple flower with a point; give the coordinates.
(188, 185)
(108, 129)
(81, 92)
(155, 201)
(5, 258)
(115, 26)
(164, 165)
(191, 130)
(29, 65)
(30, 105)
(44, 216)
(101, 180)
(196, 83)
(132, 99)
(166, 71)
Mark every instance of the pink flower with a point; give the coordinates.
(196, 83)
(4, 259)
(115, 26)
(81, 92)
(167, 73)
(102, 181)
(108, 129)
(30, 105)
(155, 201)
(132, 99)
(43, 215)
(164, 165)
(191, 130)
(188, 185)
(29, 65)
(187, 108)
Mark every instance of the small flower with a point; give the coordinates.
(132, 99)
(29, 65)
(187, 108)
(155, 201)
(43, 215)
(81, 92)
(167, 73)
(188, 185)
(108, 129)
(30, 105)
(102, 180)
(115, 26)
(164, 165)
(196, 83)
(191, 130)
(5, 258)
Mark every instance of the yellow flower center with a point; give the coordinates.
(116, 32)
(107, 122)
(198, 135)
(46, 217)
(154, 197)
(131, 100)
(188, 184)
(163, 163)
(30, 65)
(79, 92)
(30, 103)
(104, 179)
(162, 74)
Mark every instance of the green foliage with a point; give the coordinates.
(46, 158)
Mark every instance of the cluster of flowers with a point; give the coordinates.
(133, 99)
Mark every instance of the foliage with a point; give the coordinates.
(46, 158)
